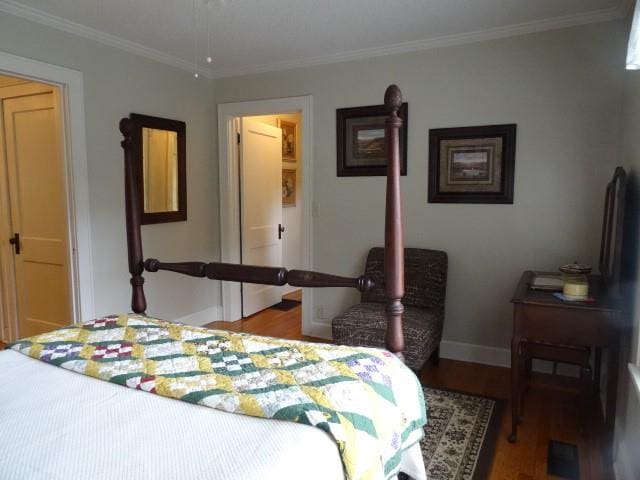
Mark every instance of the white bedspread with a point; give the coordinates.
(45, 410)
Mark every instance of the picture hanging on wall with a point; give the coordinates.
(288, 188)
(361, 141)
(289, 139)
(472, 164)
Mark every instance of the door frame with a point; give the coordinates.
(230, 193)
(71, 88)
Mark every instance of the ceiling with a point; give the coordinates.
(247, 36)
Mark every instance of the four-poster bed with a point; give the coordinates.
(394, 248)
(365, 401)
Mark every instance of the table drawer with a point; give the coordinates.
(565, 326)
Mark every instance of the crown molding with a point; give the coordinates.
(59, 23)
(556, 23)
(614, 13)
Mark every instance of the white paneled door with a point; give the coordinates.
(33, 189)
(261, 208)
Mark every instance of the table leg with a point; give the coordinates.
(587, 397)
(523, 379)
(612, 393)
(515, 387)
(529, 367)
(597, 368)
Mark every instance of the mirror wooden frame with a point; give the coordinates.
(145, 121)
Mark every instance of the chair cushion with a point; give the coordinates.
(365, 325)
(425, 278)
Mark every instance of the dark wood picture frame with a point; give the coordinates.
(343, 115)
(139, 122)
(506, 132)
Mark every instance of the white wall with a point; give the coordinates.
(560, 87)
(117, 83)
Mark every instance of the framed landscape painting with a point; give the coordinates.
(472, 164)
(361, 141)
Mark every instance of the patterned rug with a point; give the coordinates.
(461, 435)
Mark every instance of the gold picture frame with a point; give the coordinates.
(289, 140)
(288, 187)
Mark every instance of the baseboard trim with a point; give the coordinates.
(498, 357)
(198, 319)
(319, 330)
(469, 352)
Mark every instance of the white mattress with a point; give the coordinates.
(56, 424)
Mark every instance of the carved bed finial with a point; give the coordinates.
(393, 99)
(126, 128)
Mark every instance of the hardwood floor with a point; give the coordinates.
(272, 322)
(550, 413)
(295, 295)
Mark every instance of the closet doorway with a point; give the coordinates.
(35, 253)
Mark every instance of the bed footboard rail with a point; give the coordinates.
(257, 274)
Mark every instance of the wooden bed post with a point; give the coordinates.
(394, 247)
(132, 199)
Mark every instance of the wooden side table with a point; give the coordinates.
(541, 317)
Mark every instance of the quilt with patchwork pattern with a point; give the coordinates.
(365, 399)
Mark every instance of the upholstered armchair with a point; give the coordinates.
(425, 280)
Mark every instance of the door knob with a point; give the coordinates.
(15, 241)
(280, 231)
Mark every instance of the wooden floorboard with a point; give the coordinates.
(271, 322)
(550, 413)
(295, 295)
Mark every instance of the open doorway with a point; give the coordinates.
(36, 260)
(229, 116)
(46, 275)
(271, 159)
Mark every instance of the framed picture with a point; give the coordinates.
(362, 141)
(472, 164)
(288, 188)
(289, 140)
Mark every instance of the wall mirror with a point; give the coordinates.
(160, 168)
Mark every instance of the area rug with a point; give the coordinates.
(461, 434)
